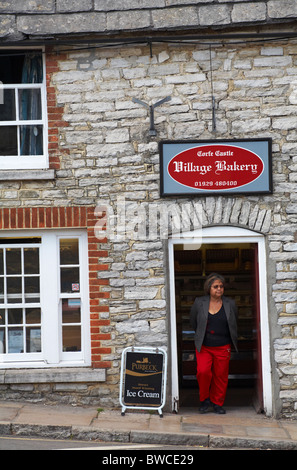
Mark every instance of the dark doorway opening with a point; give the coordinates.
(238, 263)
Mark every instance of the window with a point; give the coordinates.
(70, 294)
(23, 129)
(20, 309)
(44, 300)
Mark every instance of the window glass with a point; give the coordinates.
(33, 315)
(1, 290)
(31, 139)
(43, 310)
(70, 284)
(15, 316)
(31, 260)
(1, 261)
(13, 261)
(69, 251)
(71, 338)
(22, 117)
(14, 290)
(71, 311)
(33, 339)
(15, 340)
(69, 280)
(19, 285)
(7, 106)
(29, 104)
(8, 141)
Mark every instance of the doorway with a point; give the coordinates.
(235, 254)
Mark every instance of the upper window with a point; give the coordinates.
(23, 130)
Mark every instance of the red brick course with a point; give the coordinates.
(72, 217)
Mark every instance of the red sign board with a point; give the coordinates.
(216, 167)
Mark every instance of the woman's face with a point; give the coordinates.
(217, 289)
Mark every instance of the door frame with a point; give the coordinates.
(224, 234)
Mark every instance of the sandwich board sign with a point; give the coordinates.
(143, 379)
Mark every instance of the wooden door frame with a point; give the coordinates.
(223, 234)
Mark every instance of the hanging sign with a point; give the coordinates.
(143, 378)
(215, 167)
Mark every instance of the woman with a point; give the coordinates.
(213, 318)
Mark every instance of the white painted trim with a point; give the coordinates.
(29, 162)
(51, 329)
(225, 234)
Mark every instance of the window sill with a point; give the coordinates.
(9, 175)
(55, 375)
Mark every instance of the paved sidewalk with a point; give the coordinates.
(239, 428)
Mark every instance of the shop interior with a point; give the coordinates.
(236, 262)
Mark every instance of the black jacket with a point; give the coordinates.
(199, 315)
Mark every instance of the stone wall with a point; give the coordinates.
(112, 155)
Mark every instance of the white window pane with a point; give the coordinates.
(15, 316)
(2, 341)
(69, 251)
(30, 104)
(8, 141)
(71, 338)
(33, 315)
(31, 260)
(13, 261)
(70, 280)
(7, 106)
(31, 140)
(33, 339)
(15, 340)
(32, 289)
(71, 311)
(14, 290)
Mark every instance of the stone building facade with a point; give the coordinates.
(103, 166)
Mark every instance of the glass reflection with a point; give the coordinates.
(14, 290)
(69, 251)
(70, 310)
(31, 260)
(71, 338)
(13, 261)
(69, 280)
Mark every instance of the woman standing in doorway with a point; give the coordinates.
(213, 318)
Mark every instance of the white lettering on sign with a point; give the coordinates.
(143, 394)
(190, 167)
(220, 165)
(223, 166)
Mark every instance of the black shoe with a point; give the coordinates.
(219, 410)
(204, 405)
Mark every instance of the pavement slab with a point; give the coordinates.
(238, 428)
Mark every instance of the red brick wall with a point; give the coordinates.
(54, 112)
(72, 217)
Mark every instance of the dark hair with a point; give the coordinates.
(210, 280)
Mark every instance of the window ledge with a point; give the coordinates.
(6, 175)
(55, 375)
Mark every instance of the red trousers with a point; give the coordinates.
(212, 372)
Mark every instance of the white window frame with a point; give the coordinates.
(26, 162)
(52, 354)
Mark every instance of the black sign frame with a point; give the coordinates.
(181, 190)
(143, 379)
